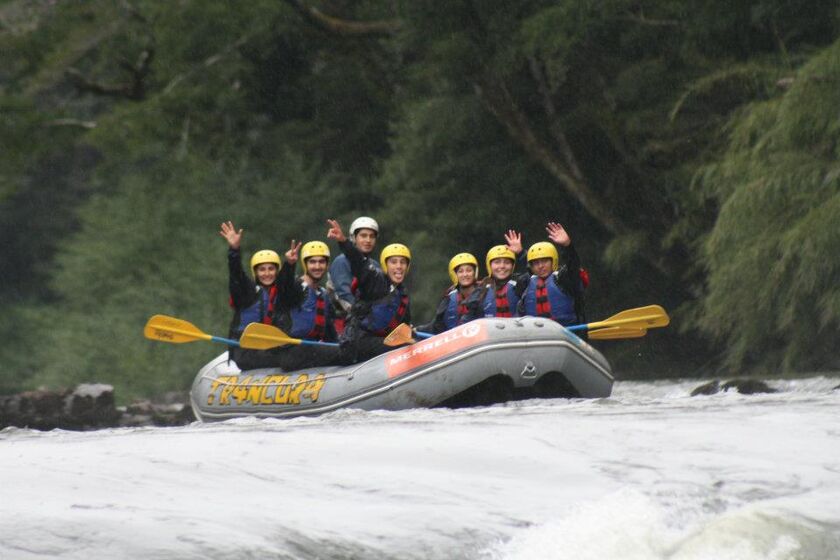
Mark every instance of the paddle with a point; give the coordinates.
(648, 317)
(402, 334)
(631, 323)
(177, 331)
(612, 333)
(259, 336)
(399, 336)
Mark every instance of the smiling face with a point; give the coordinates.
(396, 269)
(501, 268)
(365, 240)
(266, 273)
(542, 267)
(466, 275)
(316, 267)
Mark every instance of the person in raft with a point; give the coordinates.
(500, 297)
(274, 298)
(256, 298)
(463, 300)
(343, 286)
(311, 313)
(382, 303)
(548, 289)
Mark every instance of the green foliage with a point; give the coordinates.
(675, 113)
(138, 254)
(772, 255)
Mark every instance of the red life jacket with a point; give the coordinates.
(502, 302)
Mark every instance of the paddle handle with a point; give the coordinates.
(228, 341)
(316, 343)
(420, 334)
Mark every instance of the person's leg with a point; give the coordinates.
(303, 356)
(254, 359)
(369, 346)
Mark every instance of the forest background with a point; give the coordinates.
(690, 147)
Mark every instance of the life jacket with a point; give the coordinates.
(340, 318)
(501, 302)
(309, 320)
(261, 311)
(547, 299)
(456, 309)
(386, 313)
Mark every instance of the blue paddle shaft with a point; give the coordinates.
(317, 343)
(227, 341)
(231, 342)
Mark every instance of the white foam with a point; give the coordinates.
(627, 525)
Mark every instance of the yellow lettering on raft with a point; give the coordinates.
(269, 382)
(297, 388)
(281, 394)
(256, 390)
(313, 388)
(272, 389)
(213, 388)
(240, 390)
(230, 384)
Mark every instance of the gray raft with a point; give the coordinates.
(479, 363)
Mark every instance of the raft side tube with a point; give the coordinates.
(542, 360)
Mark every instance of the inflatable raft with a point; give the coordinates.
(479, 363)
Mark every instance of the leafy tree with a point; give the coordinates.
(668, 135)
(772, 298)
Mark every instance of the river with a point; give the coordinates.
(649, 473)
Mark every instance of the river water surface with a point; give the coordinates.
(649, 473)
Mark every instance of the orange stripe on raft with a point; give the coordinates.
(440, 346)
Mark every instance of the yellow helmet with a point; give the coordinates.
(266, 256)
(458, 260)
(499, 252)
(314, 249)
(544, 250)
(394, 250)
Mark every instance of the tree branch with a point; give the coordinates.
(641, 19)
(499, 101)
(208, 62)
(501, 104)
(133, 89)
(71, 122)
(345, 27)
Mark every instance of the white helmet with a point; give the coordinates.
(363, 222)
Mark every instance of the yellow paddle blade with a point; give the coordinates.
(648, 317)
(171, 329)
(612, 333)
(399, 336)
(259, 336)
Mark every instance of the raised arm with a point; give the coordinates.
(557, 234)
(335, 231)
(231, 234)
(240, 285)
(292, 254)
(514, 241)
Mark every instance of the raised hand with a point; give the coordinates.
(514, 241)
(229, 232)
(292, 254)
(558, 234)
(335, 231)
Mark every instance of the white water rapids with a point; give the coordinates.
(649, 473)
